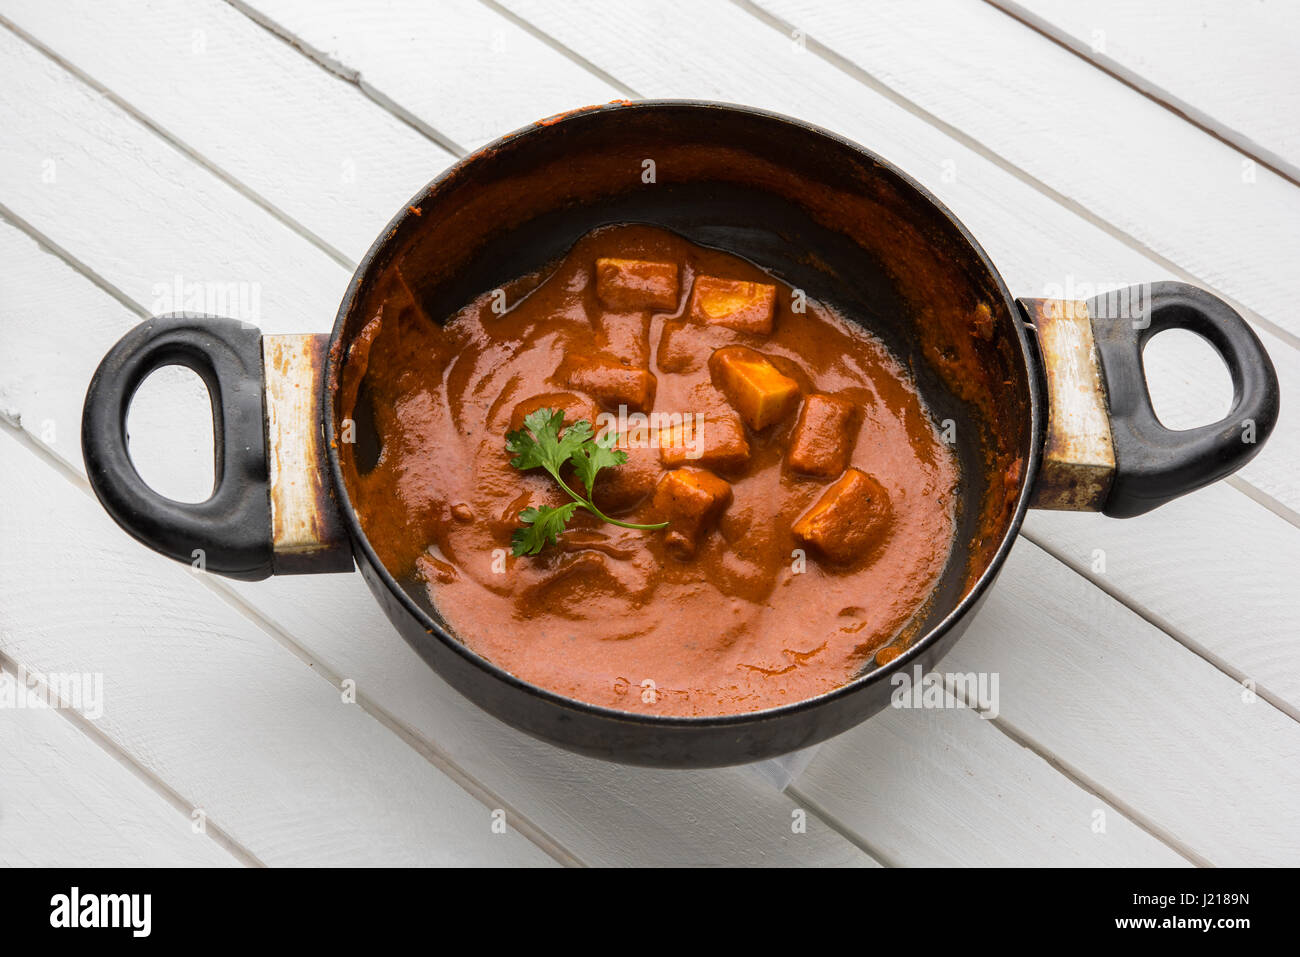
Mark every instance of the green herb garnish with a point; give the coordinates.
(539, 444)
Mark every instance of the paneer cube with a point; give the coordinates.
(734, 303)
(624, 488)
(686, 346)
(623, 334)
(634, 285)
(677, 351)
(691, 500)
(610, 383)
(713, 441)
(575, 409)
(756, 388)
(850, 519)
(823, 439)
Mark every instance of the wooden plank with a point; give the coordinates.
(1137, 716)
(1143, 172)
(1213, 556)
(458, 69)
(892, 778)
(324, 156)
(66, 165)
(1142, 724)
(1230, 67)
(65, 802)
(201, 697)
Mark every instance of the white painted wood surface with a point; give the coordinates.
(267, 141)
(1211, 60)
(67, 801)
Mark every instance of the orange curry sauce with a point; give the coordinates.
(766, 588)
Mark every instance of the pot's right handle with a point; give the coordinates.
(1106, 449)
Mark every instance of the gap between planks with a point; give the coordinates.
(1065, 769)
(1169, 629)
(80, 268)
(337, 69)
(1081, 780)
(1156, 94)
(106, 744)
(572, 55)
(1260, 497)
(831, 820)
(181, 146)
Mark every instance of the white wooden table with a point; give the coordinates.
(1149, 669)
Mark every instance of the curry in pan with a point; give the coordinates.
(652, 477)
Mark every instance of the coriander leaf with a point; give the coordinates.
(545, 447)
(574, 438)
(537, 443)
(541, 526)
(590, 457)
(540, 445)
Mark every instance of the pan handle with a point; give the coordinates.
(1154, 464)
(1105, 449)
(238, 531)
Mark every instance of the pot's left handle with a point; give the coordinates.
(272, 509)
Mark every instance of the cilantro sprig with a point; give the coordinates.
(539, 444)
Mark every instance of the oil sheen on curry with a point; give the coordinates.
(809, 498)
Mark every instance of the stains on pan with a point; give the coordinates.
(307, 532)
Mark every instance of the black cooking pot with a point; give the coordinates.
(1047, 399)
